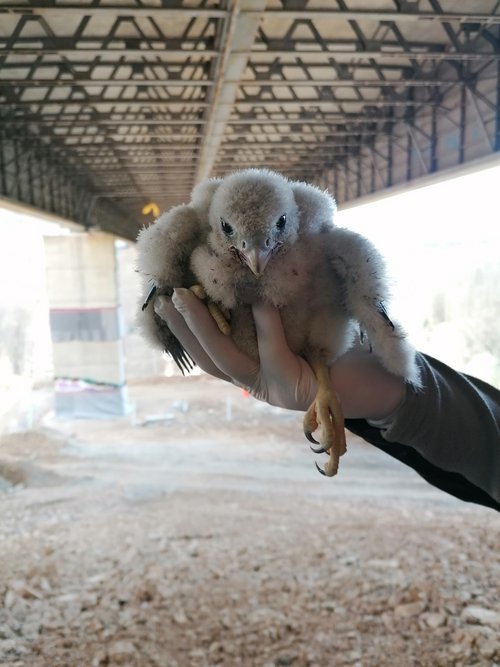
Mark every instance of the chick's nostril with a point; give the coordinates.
(243, 244)
(268, 241)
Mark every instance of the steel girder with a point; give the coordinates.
(106, 106)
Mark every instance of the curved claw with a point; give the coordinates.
(320, 469)
(309, 436)
(319, 450)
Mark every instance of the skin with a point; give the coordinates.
(365, 389)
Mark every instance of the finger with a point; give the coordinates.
(177, 325)
(220, 348)
(274, 352)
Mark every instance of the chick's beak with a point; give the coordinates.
(257, 259)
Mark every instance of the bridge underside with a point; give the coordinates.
(106, 107)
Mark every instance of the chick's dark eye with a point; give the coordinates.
(281, 222)
(226, 228)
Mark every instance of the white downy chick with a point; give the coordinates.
(261, 237)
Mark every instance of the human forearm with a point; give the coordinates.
(366, 390)
(454, 423)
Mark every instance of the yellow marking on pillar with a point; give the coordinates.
(151, 208)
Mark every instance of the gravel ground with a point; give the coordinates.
(198, 533)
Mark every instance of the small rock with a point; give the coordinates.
(193, 550)
(216, 647)
(490, 648)
(100, 658)
(6, 632)
(66, 598)
(97, 579)
(457, 649)
(10, 598)
(25, 590)
(180, 618)
(146, 593)
(435, 620)
(285, 660)
(45, 585)
(123, 597)
(271, 632)
(8, 646)
(94, 625)
(197, 653)
(388, 621)
(30, 630)
(384, 563)
(481, 615)
(120, 652)
(410, 609)
(354, 656)
(468, 637)
(226, 622)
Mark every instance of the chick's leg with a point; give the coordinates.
(325, 413)
(220, 314)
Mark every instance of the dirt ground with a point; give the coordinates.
(197, 532)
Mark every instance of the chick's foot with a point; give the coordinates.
(220, 314)
(325, 414)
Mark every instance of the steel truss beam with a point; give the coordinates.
(161, 54)
(114, 105)
(51, 9)
(251, 83)
(354, 55)
(239, 33)
(109, 83)
(354, 167)
(28, 173)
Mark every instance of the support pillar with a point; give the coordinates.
(86, 326)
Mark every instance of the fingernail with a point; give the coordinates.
(178, 296)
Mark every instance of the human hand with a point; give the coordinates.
(281, 378)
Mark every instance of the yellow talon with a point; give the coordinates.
(219, 313)
(219, 318)
(326, 413)
(199, 291)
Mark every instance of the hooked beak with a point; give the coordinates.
(257, 259)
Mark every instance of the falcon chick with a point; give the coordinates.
(256, 236)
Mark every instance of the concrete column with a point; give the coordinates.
(86, 325)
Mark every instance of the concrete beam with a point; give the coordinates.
(239, 36)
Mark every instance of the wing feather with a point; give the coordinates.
(362, 271)
(164, 251)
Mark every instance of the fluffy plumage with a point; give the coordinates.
(257, 236)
